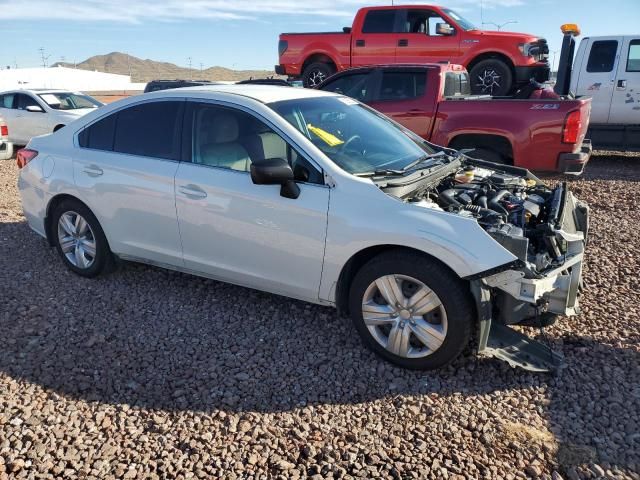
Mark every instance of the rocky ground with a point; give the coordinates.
(151, 374)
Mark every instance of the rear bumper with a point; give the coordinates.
(6, 150)
(280, 70)
(574, 163)
(540, 72)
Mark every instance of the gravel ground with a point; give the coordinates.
(152, 374)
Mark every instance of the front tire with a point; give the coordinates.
(79, 239)
(316, 73)
(411, 310)
(491, 77)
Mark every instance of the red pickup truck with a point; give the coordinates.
(497, 61)
(545, 133)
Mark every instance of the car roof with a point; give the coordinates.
(261, 93)
(36, 91)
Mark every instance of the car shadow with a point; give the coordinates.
(161, 340)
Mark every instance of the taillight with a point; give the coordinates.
(572, 126)
(25, 156)
(4, 131)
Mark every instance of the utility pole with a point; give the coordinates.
(190, 72)
(43, 57)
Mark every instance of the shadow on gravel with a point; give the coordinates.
(161, 340)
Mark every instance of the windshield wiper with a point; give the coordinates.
(380, 172)
(424, 159)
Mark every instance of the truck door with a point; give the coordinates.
(597, 75)
(374, 42)
(403, 95)
(625, 102)
(420, 42)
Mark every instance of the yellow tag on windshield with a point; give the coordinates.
(325, 136)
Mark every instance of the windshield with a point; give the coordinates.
(463, 22)
(69, 101)
(355, 137)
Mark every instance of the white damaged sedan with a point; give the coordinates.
(315, 196)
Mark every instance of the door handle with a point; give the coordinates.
(93, 170)
(622, 84)
(192, 191)
(403, 42)
(360, 43)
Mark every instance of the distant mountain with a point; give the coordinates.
(147, 70)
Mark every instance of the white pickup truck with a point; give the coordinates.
(608, 70)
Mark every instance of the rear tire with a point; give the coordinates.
(80, 240)
(316, 73)
(491, 77)
(433, 324)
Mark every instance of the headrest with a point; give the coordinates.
(219, 127)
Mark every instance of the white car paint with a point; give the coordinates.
(295, 248)
(24, 124)
(615, 89)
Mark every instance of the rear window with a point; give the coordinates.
(6, 101)
(150, 130)
(379, 21)
(456, 84)
(602, 56)
(402, 85)
(633, 58)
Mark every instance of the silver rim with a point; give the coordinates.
(316, 78)
(404, 316)
(77, 240)
(488, 81)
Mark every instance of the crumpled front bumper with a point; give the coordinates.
(555, 291)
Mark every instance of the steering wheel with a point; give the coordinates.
(353, 138)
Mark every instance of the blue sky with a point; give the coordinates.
(243, 34)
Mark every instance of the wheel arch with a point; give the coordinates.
(318, 57)
(492, 55)
(52, 205)
(496, 142)
(359, 259)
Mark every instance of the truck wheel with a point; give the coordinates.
(316, 73)
(411, 310)
(491, 77)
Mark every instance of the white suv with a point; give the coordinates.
(314, 196)
(30, 113)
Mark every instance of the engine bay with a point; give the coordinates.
(518, 211)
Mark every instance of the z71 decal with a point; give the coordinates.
(545, 106)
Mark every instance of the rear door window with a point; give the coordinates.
(6, 101)
(99, 136)
(633, 56)
(151, 130)
(602, 56)
(401, 86)
(380, 21)
(354, 86)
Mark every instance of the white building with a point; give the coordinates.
(66, 78)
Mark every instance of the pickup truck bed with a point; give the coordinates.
(433, 101)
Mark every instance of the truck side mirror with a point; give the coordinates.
(444, 29)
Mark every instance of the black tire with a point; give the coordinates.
(103, 261)
(482, 73)
(316, 73)
(452, 292)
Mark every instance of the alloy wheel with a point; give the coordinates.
(76, 239)
(316, 78)
(404, 316)
(488, 81)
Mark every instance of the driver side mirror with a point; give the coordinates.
(444, 29)
(275, 171)
(35, 108)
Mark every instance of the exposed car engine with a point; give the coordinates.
(520, 213)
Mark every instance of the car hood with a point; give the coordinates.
(524, 37)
